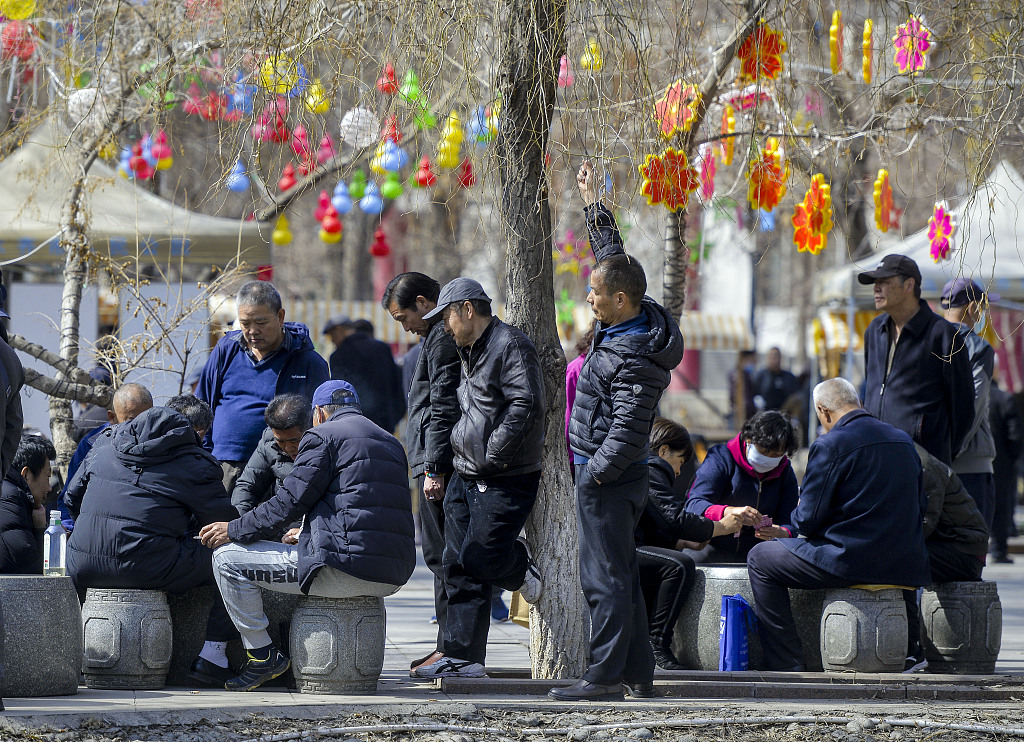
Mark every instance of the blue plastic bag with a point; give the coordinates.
(735, 623)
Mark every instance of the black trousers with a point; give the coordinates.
(773, 569)
(982, 487)
(607, 514)
(1005, 488)
(948, 564)
(666, 577)
(432, 544)
(482, 520)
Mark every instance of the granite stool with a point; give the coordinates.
(864, 629)
(127, 639)
(695, 642)
(961, 627)
(42, 644)
(337, 644)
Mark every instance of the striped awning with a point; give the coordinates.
(715, 331)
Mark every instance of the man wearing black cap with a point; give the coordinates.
(350, 487)
(498, 444)
(917, 371)
(963, 304)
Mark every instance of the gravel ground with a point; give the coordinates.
(657, 722)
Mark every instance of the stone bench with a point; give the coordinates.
(126, 639)
(695, 643)
(42, 636)
(864, 629)
(337, 644)
(961, 627)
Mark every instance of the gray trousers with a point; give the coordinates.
(242, 569)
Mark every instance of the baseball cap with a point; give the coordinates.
(961, 291)
(338, 320)
(335, 391)
(458, 289)
(889, 266)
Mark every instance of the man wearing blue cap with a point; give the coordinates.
(350, 487)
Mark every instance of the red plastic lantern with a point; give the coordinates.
(140, 165)
(391, 131)
(16, 41)
(380, 247)
(326, 152)
(466, 177)
(330, 226)
(387, 84)
(213, 106)
(192, 104)
(321, 210)
(308, 164)
(425, 177)
(287, 181)
(300, 140)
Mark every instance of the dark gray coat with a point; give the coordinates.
(263, 474)
(10, 399)
(433, 404)
(952, 515)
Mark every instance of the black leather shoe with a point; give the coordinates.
(584, 690)
(204, 672)
(664, 658)
(640, 690)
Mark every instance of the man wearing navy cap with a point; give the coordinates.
(963, 302)
(917, 373)
(350, 487)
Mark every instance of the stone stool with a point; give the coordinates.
(695, 642)
(864, 629)
(42, 646)
(127, 637)
(961, 627)
(337, 644)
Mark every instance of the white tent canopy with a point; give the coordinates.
(124, 219)
(988, 247)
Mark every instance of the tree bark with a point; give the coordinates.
(535, 41)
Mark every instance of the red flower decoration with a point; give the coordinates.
(677, 109)
(767, 177)
(812, 218)
(761, 53)
(668, 179)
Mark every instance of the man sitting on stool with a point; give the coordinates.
(861, 510)
(350, 486)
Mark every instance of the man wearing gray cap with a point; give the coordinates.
(497, 444)
(963, 304)
(917, 374)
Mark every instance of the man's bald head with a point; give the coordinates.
(129, 401)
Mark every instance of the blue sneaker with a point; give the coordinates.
(499, 611)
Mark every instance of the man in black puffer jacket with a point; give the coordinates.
(134, 500)
(350, 486)
(636, 346)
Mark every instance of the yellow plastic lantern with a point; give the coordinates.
(316, 100)
(869, 47)
(18, 10)
(279, 74)
(448, 155)
(377, 161)
(452, 130)
(591, 59)
(835, 42)
(281, 235)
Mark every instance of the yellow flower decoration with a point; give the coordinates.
(835, 42)
(767, 177)
(668, 180)
(728, 127)
(812, 218)
(883, 201)
(869, 47)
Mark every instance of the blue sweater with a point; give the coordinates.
(238, 389)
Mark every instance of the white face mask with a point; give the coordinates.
(979, 326)
(759, 462)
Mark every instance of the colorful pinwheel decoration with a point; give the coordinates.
(767, 177)
(668, 179)
(869, 48)
(883, 201)
(761, 53)
(677, 109)
(812, 218)
(728, 129)
(940, 231)
(913, 41)
(835, 42)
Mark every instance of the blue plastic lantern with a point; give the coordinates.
(238, 181)
(372, 202)
(395, 158)
(303, 81)
(478, 128)
(125, 164)
(147, 150)
(341, 201)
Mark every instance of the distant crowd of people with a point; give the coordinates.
(282, 471)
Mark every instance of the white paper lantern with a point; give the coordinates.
(87, 110)
(360, 127)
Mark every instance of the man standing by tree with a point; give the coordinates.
(636, 345)
(248, 368)
(498, 445)
(433, 412)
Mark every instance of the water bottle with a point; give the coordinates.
(55, 547)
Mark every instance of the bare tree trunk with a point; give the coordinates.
(677, 260)
(535, 41)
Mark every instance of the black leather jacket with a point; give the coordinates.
(501, 431)
(433, 404)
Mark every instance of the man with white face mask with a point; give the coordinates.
(861, 513)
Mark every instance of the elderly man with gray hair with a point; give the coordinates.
(860, 514)
(265, 357)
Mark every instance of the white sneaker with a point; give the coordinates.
(532, 586)
(915, 664)
(449, 667)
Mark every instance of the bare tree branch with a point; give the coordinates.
(97, 395)
(50, 358)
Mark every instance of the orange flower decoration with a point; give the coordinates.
(767, 177)
(729, 142)
(835, 42)
(761, 53)
(668, 180)
(883, 201)
(677, 109)
(812, 218)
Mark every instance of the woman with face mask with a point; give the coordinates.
(749, 477)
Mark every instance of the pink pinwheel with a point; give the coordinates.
(913, 40)
(940, 231)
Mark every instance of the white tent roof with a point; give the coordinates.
(127, 220)
(988, 247)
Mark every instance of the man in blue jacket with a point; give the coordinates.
(861, 513)
(917, 370)
(248, 368)
(350, 487)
